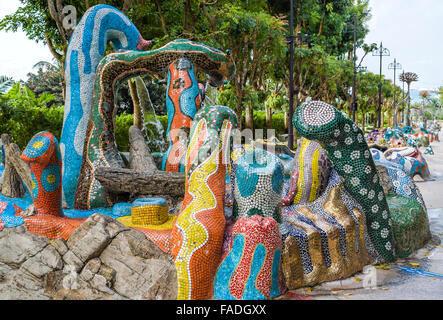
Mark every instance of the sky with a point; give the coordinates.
(410, 29)
(19, 54)
(412, 32)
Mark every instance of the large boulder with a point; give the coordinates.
(102, 259)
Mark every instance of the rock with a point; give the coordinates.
(101, 260)
(93, 235)
(385, 180)
(73, 261)
(150, 275)
(60, 246)
(30, 211)
(17, 247)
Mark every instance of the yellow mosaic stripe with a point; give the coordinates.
(194, 233)
(127, 221)
(315, 180)
(301, 182)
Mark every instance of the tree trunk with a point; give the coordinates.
(286, 120)
(268, 117)
(138, 118)
(408, 110)
(249, 117)
(130, 181)
(140, 158)
(15, 171)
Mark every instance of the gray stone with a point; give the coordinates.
(72, 260)
(137, 277)
(93, 235)
(16, 246)
(60, 246)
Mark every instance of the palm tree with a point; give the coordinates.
(5, 84)
(408, 77)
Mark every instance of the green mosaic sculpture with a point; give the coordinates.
(344, 142)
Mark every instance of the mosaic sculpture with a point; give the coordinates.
(310, 173)
(183, 99)
(250, 266)
(410, 224)
(43, 155)
(412, 161)
(429, 150)
(326, 239)
(406, 206)
(100, 24)
(100, 148)
(347, 149)
(197, 234)
(402, 184)
(258, 185)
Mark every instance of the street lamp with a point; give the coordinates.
(381, 52)
(394, 66)
(290, 39)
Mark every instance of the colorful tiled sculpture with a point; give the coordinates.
(197, 235)
(411, 159)
(326, 239)
(183, 99)
(310, 173)
(99, 24)
(43, 155)
(347, 149)
(250, 267)
(100, 147)
(410, 224)
(258, 185)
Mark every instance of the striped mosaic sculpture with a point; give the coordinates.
(310, 173)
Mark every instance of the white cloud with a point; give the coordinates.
(411, 30)
(18, 53)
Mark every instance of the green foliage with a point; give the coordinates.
(21, 122)
(21, 96)
(278, 122)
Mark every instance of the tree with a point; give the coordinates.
(48, 79)
(5, 84)
(408, 77)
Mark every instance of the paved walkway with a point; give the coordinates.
(424, 281)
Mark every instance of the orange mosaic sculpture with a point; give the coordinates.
(197, 235)
(183, 99)
(43, 155)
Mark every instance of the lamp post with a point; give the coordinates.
(354, 58)
(292, 44)
(394, 66)
(381, 52)
(291, 76)
(403, 90)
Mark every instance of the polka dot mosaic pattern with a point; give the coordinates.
(258, 185)
(43, 155)
(347, 149)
